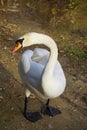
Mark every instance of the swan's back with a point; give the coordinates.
(40, 56)
(34, 62)
(31, 66)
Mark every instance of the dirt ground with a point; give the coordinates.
(73, 102)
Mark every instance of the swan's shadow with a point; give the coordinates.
(10, 90)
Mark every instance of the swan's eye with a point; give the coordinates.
(19, 41)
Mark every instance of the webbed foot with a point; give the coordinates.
(50, 111)
(32, 116)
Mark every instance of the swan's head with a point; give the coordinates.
(18, 44)
(24, 41)
(21, 42)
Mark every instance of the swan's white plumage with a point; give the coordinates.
(40, 56)
(47, 81)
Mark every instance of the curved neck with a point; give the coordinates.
(36, 38)
(52, 59)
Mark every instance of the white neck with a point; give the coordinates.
(36, 38)
(52, 59)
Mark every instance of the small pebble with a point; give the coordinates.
(1, 89)
(50, 126)
(1, 98)
(12, 108)
(5, 48)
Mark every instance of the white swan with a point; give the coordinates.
(40, 71)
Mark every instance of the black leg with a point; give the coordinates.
(48, 110)
(47, 103)
(32, 116)
(25, 105)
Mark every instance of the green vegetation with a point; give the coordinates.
(73, 4)
(77, 54)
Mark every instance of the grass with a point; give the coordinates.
(76, 53)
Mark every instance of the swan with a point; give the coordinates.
(41, 72)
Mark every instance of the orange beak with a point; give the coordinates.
(17, 47)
